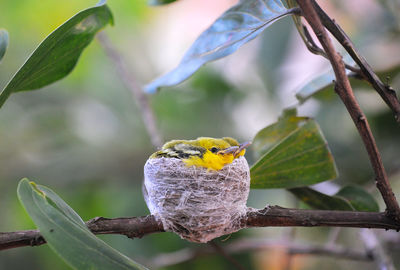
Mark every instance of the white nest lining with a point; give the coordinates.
(197, 204)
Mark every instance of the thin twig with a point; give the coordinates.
(345, 92)
(315, 49)
(385, 91)
(374, 248)
(272, 216)
(228, 257)
(333, 237)
(248, 245)
(295, 248)
(137, 92)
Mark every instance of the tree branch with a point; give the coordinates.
(276, 216)
(385, 91)
(345, 92)
(246, 245)
(271, 216)
(315, 49)
(137, 93)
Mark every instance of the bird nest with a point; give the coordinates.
(196, 203)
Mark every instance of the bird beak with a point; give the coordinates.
(235, 150)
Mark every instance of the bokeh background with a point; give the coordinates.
(84, 138)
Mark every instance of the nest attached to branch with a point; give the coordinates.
(197, 204)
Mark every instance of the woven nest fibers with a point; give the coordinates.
(197, 204)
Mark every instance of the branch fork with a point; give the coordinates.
(318, 20)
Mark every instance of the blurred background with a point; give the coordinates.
(84, 137)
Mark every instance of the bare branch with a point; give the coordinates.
(345, 92)
(137, 92)
(315, 49)
(385, 91)
(374, 248)
(248, 245)
(275, 216)
(271, 216)
(16, 239)
(131, 227)
(333, 251)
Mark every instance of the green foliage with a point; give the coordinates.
(358, 198)
(347, 198)
(321, 87)
(66, 233)
(316, 86)
(293, 153)
(320, 200)
(3, 42)
(237, 26)
(270, 136)
(58, 54)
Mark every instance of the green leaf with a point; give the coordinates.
(159, 2)
(66, 233)
(295, 154)
(3, 42)
(237, 26)
(61, 205)
(270, 136)
(318, 200)
(321, 87)
(359, 198)
(348, 198)
(58, 54)
(316, 85)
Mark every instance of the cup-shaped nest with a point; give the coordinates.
(196, 203)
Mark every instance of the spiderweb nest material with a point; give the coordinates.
(197, 204)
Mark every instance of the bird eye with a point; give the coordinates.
(214, 150)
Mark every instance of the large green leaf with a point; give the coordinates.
(237, 26)
(347, 198)
(59, 203)
(295, 154)
(58, 54)
(273, 134)
(3, 42)
(66, 233)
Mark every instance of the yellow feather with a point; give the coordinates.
(210, 161)
(200, 153)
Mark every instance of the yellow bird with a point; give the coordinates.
(210, 153)
(198, 188)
